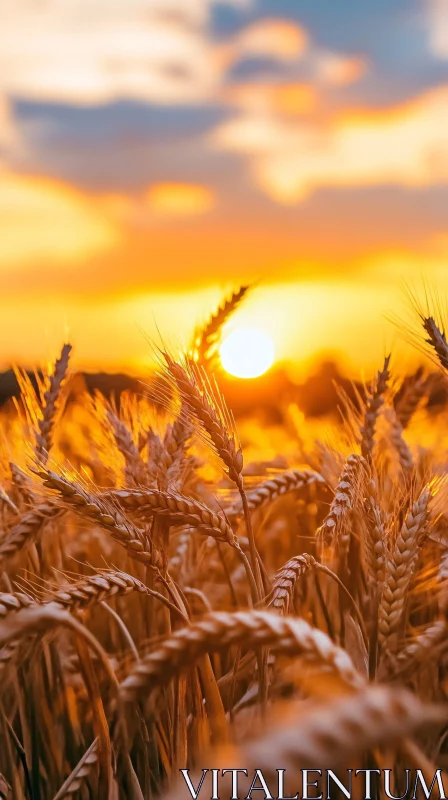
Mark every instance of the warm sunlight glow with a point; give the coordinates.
(247, 353)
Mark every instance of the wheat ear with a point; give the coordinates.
(400, 565)
(342, 501)
(421, 647)
(136, 471)
(206, 338)
(94, 589)
(80, 773)
(374, 403)
(286, 578)
(253, 629)
(408, 397)
(396, 437)
(27, 530)
(205, 404)
(437, 340)
(335, 733)
(374, 541)
(50, 403)
(103, 513)
(177, 509)
(269, 490)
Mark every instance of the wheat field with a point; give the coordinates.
(167, 604)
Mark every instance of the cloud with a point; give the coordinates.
(275, 38)
(405, 147)
(290, 98)
(12, 142)
(179, 199)
(94, 51)
(438, 27)
(48, 222)
(338, 70)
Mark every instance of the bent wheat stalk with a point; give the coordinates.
(277, 486)
(334, 733)
(253, 629)
(177, 509)
(103, 513)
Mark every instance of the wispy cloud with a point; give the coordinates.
(406, 147)
(338, 69)
(179, 199)
(437, 11)
(44, 221)
(87, 52)
(277, 38)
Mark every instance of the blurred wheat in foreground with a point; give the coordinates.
(160, 610)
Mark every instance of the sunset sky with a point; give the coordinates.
(156, 153)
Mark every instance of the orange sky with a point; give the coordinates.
(154, 160)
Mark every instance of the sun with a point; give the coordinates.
(247, 353)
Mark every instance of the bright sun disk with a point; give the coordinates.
(247, 353)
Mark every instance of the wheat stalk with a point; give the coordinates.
(421, 647)
(207, 407)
